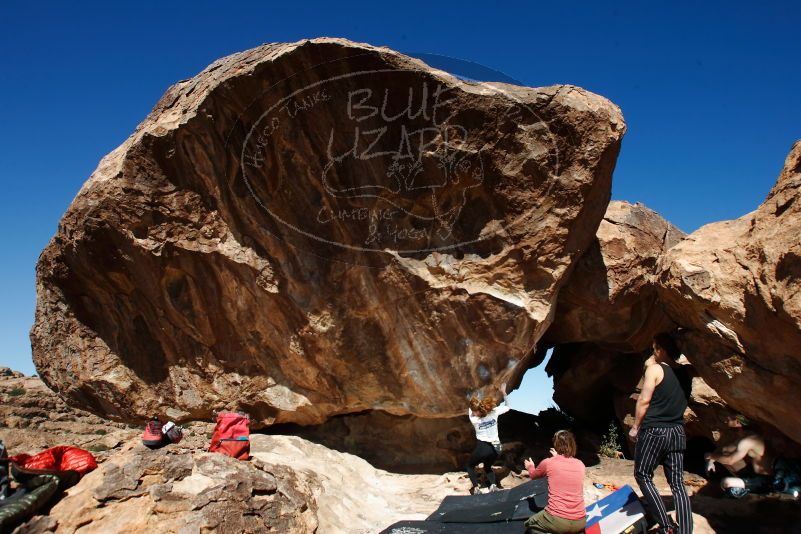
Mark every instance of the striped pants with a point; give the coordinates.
(663, 446)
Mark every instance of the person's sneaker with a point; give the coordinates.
(152, 437)
(793, 491)
(493, 488)
(673, 528)
(737, 493)
(152, 430)
(483, 490)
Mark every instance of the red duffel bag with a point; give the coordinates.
(232, 435)
(61, 458)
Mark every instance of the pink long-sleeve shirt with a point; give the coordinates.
(565, 485)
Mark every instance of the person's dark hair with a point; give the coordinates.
(668, 344)
(565, 443)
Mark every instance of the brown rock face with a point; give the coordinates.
(607, 314)
(311, 229)
(611, 296)
(598, 385)
(736, 288)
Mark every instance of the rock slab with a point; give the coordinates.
(320, 228)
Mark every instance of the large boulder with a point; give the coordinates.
(611, 296)
(319, 228)
(735, 287)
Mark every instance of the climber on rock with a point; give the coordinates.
(484, 416)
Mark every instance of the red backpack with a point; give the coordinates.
(232, 435)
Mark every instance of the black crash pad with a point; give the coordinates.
(500, 512)
(436, 527)
(515, 504)
(491, 513)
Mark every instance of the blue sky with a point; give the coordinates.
(710, 92)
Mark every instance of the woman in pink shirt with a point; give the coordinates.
(565, 510)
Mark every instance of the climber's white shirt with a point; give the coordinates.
(487, 426)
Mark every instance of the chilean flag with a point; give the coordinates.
(615, 513)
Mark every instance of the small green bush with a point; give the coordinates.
(16, 392)
(99, 447)
(610, 442)
(100, 432)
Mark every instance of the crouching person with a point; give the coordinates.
(565, 512)
(748, 460)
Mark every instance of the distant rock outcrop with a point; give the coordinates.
(320, 228)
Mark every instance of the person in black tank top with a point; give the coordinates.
(659, 432)
(668, 403)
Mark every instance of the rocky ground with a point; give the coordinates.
(33, 418)
(290, 484)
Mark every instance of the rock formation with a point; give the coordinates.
(331, 233)
(321, 228)
(598, 386)
(589, 380)
(735, 288)
(611, 296)
(615, 301)
(606, 317)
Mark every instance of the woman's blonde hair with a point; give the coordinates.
(565, 443)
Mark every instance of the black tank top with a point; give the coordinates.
(667, 403)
